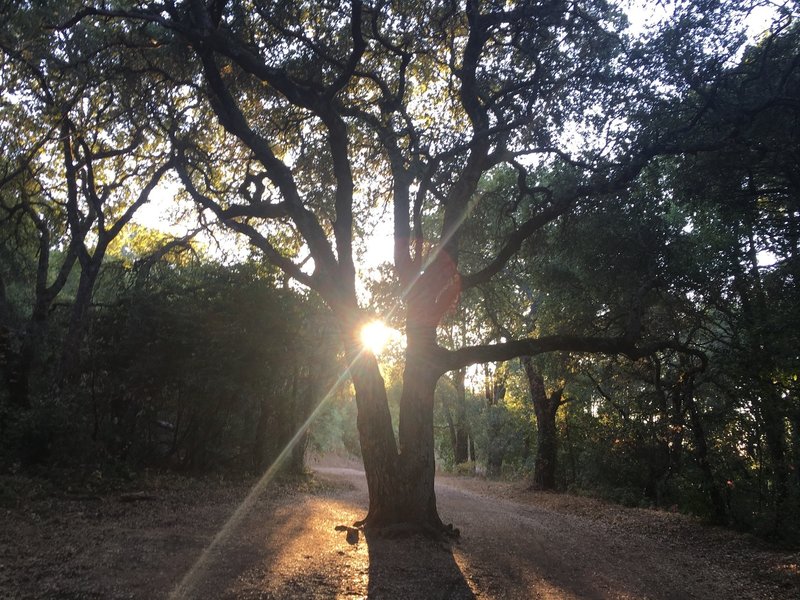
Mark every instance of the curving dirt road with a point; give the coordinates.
(514, 544)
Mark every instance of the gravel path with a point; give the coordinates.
(514, 544)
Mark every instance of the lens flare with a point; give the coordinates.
(375, 335)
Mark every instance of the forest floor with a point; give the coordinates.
(152, 542)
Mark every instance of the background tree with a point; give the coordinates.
(83, 162)
(743, 205)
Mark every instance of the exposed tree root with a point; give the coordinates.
(438, 532)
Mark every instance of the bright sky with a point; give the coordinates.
(166, 213)
(645, 13)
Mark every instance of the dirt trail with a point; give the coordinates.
(513, 545)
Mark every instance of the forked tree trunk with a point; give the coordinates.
(400, 473)
(400, 479)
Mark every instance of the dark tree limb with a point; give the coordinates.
(255, 237)
(450, 360)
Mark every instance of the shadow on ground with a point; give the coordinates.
(414, 567)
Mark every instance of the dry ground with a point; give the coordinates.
(514, 544)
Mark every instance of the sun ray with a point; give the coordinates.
(187, 586)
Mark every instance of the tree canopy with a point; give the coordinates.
(506, 141)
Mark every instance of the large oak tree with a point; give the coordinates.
(296, 123)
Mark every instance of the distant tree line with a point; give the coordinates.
(183, 363)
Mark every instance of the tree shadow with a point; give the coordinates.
(413, 567)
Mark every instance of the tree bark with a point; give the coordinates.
(376, 436)
(451, 427)
(20, 364)
(17, 367)
(545, 408)
(774, 424)
(497, 418)
(400, 477)
(71, 347)
(794, 419)
(461, 439)
(416, 450)
(456, 415)
(259, 458)
(496, 449)
(417, 463)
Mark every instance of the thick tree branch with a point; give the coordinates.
(78, 226)
(450, 360)
(624, 413)
(258, 210)
(234, 122)
(342, 171)
(515, 241)
(359, 45)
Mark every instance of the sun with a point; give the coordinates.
(375, 335)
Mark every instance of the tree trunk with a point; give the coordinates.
(19, 374)
(544, 473)
(496, 447)
(794, 419)
(19, 364)
(701, 444)
(775, 436)
(461, 438)
(495, 391)
(16, 381)
(451, 427)
(260, 437)
(400, 479)
(376, 436)
(417, 465)
(676, 431)
(456, 415)
(545, 409)
(302, 408)
(17, 367)
(70, 349)
(573, 463)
